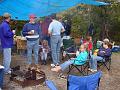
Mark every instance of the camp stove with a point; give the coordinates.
(31, 77)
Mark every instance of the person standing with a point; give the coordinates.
(6, 36)
(31, 31)
(54, 30)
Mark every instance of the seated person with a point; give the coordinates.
(79, 60)
(44, 51)
(103, 52)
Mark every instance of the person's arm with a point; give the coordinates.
(90, 46)
(40, 32)
(25, 31)
(50, 29)
(108, 52)
(63, 29)
(7, 32)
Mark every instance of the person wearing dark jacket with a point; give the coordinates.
(31, 31)
(104, 52)
(6, 36)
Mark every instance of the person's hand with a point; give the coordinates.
(103, 51)
(72, 58)
(13, 31)
(30, 33)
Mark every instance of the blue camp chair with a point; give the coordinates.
(90, 82)
(51, 85)
(1, 77)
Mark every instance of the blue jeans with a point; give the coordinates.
(1, 77)
(93, 61)
(66, 64)
(32, 45)
(55, 48)
(6, 59)
(44, 56)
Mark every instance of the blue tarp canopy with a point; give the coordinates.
(22, 8)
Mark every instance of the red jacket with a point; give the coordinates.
(89, 45)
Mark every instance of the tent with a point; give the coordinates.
(22, 8)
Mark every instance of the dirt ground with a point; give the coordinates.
(110, 79)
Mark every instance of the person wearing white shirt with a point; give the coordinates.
(54, 30)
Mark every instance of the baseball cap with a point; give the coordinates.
(6, 15)
(32, 16)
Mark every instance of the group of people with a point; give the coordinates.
(85, 53)
(32, 32)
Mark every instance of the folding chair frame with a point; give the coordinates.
(105, 62)
(80, 68)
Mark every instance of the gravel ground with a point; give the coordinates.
(109, 81)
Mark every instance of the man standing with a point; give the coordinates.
(6, 36)
(54, 30)
(32, 31)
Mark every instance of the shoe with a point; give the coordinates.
(9, 72)
(92, 70)
(57, 64)
(52, 65)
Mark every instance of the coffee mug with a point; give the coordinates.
(33, 31)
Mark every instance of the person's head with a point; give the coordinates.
(45, 43)
(32, 18)
(106, 45)
(106, 40)
(89, 38)
(59, 18)
(7, 17)
(53, 16)
(82, 48)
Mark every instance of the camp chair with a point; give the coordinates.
(82, 69)
(51, 85)
(69, 50)
(1, 77)
(106, 62)
(90, 82)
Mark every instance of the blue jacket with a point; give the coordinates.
(106, 54)
(31, 26)
(6, 35)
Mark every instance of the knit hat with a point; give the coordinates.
(6, 15)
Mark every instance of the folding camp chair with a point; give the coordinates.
(1, 77)
(90, 82)
(82, 69)
(51, 85)
(106, 62)
(70, 50)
